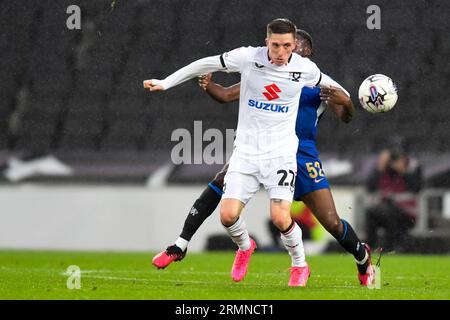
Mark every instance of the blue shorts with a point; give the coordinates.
(310, 176)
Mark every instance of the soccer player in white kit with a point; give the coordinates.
(266, 143)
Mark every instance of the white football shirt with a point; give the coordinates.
(269, 97)
(269, 101)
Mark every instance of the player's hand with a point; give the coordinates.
(204, 80)
(153, 85)
(333, 95)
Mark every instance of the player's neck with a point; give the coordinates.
(279, 65)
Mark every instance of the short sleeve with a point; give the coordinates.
(329, 82)
(233, 60)
(313, 76)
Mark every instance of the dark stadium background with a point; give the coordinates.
(77, 94)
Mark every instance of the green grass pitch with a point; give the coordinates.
(41, 275)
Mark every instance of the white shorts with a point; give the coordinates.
(244, 177)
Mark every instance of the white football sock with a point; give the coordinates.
(239, 234)
(182, 243)
(293, 242)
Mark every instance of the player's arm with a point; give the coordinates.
(196, 68)
(339, 101)
(217, 92)
(229, 62)
(337, 98)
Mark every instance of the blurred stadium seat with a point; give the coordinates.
(85, 86)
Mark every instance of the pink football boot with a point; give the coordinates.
(299, 276)
(241, 261)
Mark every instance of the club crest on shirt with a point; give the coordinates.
(295, 76)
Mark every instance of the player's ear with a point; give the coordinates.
(307, 51)
(267, 42)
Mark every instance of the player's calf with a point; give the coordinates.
(334, 226)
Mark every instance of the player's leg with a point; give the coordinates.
(203, 207)
(230, 211)
(313, 189)
(238, 190)
(280, 185)
(274, 234)
(322, 205)
(291, 236)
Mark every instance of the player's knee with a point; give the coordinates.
(282, 222)
(228, 216)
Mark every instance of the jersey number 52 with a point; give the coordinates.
(314, 170)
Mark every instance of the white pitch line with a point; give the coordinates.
(281, 273)
(246, 285)
(196, 282)
(173, 272)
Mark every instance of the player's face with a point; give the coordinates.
(280, 47)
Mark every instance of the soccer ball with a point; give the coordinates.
(378, 93)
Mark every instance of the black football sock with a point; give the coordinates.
(351, 243)
(201, 210)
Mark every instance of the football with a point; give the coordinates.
(378, 93)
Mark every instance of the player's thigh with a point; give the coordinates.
(239, 186)
(280, 182)
(280, 213)
(280, 185)
(322, 205)
(220, 176)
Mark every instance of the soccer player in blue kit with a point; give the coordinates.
(311, 185)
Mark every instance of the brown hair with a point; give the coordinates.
(305, 36)
(281, 26)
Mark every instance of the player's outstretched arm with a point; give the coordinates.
(152, 86)
(217, 92)
(339, 101)
(196, 68)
